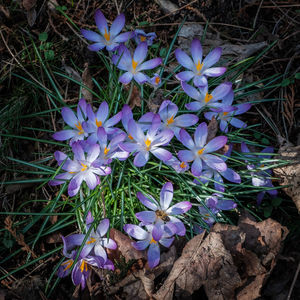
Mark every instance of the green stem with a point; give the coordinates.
(130, 92)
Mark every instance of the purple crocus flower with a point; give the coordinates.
(228, 174)
(81, 168)
(78, 131)
(134, 65)
(145, 239)
(107, 38)
(261, 178)
(177, 165)
(199, 151)
(155, 80)
(198, 70)
(162, 214)
(143, 144)
(204, 98)
(214, 205)
(140, 36)
(167, 113)
(226, 113)
(100, 119)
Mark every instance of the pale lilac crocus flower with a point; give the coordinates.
(76, 122)
(109, 38)
(168, 111)
(80, 169)
(204, 98)
(134, 65)
(155, 80)
(226, 113)
(143, 144)
(177, 165)
(199, 151)
(145, 239)
(162, 213)
(261, 178)
(141, 36)
(199, 70)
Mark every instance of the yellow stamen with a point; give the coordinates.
(106, 150)
(262, 165)
(72, 172)
(207, 98)
(157, 80)
(79, 127)
(153, 241)
(68, 264)
(199, 67)
(225, 113)
(148, 143)
(143, 38)
(84, 167)
(106, 35)
(130, 136)
(91, 241)
(200, 151)
(134, 64)
(183, 165)
(83, 266)
(98, 123)
(170, 121)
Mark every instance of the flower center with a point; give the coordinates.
(83, 266)
(183, 165)
(98, 123)
(208, 97)
(162, 215)
(79, 127)
(148, 144)
(199, 66)
(91, 241)
(157, 80)
(84, 167)
(134, 64)
(106, 150)
(68, 264)
(200, 151)
(153, 241)
(170, 121)
(106, 35)
(225, 113)
(130, 136)
(143, 38)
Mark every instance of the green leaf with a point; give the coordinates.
(257, 135)
(43, 36)
(276, 201)
(268, 211)
(163, 52)
(265, 141)
(49, 55)
(285, 82)
(297, 75)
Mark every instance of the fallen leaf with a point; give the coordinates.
(212, 129)
(155, 102)
(53, 238)
(31, 17)
(87, 81)
(167, 6)
(290, 173)
(135, 97)
(29, 4)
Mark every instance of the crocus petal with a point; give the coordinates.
(196, 51)
(237, 123)
(126, 115)
(231, 176)
(117, 25)
(64, 135)
(102, 136)
(96, 46)
(128, 147)
(201, 135)
(158, 231)
(228, 99)
(190, 91)
(140, 52)
(78, 151)
(93, 153)
(186, 139)
(126, 78)
(135, 231)
(224, 126)
(109, 243)
(166, 195)
(184, 59)
(179, 208)
(150, 64)
(215, 162)
(242, 108)
(99, 251)
(186, 155)
(226, 204)
(103, 227)
(91, 35)
(101, 21)
(200, 81)
(140, 78)
(186, 120)
(146, 217)
(147, 202)
(214, 72)
(162, 154)
(71, 241)
(123, 37)
(140, 245)
(197, 167)
(76, 274)
(60, 178)
(194, 106)
(153, 255)
(69, 116)
(167, 242)
(179, 225)
(215, 144)
(114, 120)
(91, 180)
(209, 115)
(185, 75)
(212, 57)
(102, 112)
(141, 158)
(135, 131)
(221, 90)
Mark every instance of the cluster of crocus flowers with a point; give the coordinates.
(93, 252)
(160, 223)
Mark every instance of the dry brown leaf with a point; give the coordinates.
(155, 102)
(87, 81)
(212, 129)
(167, 6)
(135, 97)
(53, 238)
(290, 174)
(29, 4)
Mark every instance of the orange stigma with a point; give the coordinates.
(130, 136)
(225, 113)
(106, 35)
(200, 151)
(79, 127)
(91, 241)
(98, 123)
(148, 143)
(68, 264)
(84, 167)
(183, 165)
(153, 241)
(199, 66)
(106, 150)
(83, 266)
(157, 80)
(134, 64)
(208, 97)
(143, 38)
(170, 121)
